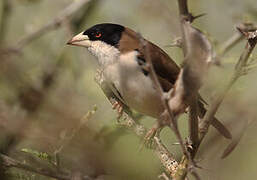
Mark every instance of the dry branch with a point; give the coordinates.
(55, 23)
(197, 57)
(230, 43)
(234, 39)
(241, 64)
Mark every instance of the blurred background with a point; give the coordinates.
(46, 88)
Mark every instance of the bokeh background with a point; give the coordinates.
(47, 87)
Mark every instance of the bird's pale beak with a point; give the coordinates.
(80, 40)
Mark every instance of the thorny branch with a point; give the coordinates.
(186, 17)
(234, 39)
(189, 53)
(197, 55)
(241, 64)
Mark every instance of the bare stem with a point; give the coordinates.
(193, 121)
(51, 25)
(251, 43)
(230, 43)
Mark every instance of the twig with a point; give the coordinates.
(197, 54)
(183, 10)
(51, 25)
(236, 140)
(75, 131)
(193, 121)
(9, 162)
(242, 62)
(166, 157)
(230, 43)
(234, 39)
(191, 61)
(66, 141)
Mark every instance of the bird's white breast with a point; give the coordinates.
(136, 89)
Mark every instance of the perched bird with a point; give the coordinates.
(120, 56)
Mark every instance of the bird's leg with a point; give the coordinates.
(153, 132)
(119, 107)
(156, 129)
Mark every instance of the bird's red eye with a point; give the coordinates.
(98, 35)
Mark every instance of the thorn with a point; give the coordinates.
(241, 30)
(189, 17)
(176, 143)
(198, 16)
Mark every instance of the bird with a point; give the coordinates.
(122, 60)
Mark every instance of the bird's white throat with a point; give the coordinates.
(105, 53)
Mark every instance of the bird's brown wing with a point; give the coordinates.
(163, 65)
(166, 69)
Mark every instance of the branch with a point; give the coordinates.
(197, 57)
(51, 25)
(234, 39)
(66, 140)
(230, 43)
(239, 68)
(9, 162)
(183, 11)
(193, 121)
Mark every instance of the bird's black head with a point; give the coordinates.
(107, 32)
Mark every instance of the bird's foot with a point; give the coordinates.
(148, 140)
(149, 137)
(119, 107)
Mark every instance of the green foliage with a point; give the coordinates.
(41, 155)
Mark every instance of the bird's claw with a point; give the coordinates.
(119, 107)
(148, 140)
